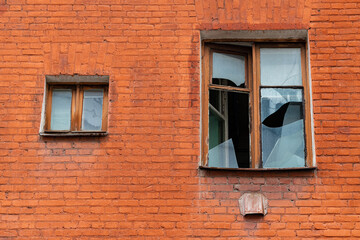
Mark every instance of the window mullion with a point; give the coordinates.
(73, 110)
(75, 123)
(105, 110)
(255, 107)
(80, 106)
(229, 88)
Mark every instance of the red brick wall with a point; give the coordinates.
(142, 180)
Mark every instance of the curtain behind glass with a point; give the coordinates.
(61, 109)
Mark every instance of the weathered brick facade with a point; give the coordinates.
(142, 180)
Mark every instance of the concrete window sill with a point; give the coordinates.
(74, 134)
(258, 169)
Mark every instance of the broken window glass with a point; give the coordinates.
(260, 89)
(228, 69)
(61, 109)
(280, 66)
(229, 129)
(282, 136)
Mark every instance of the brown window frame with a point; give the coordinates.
(252, 82)
(76, 108)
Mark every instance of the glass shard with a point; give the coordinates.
(61, 109)
(228, 69)
(283, 143)
(280, 66)
(228, 129)
(92, 110)
(223, 155)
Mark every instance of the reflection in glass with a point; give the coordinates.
(92, 110)
(282, 128)
(228, 69)
(228, 129)
(280, 66)
(61, 109)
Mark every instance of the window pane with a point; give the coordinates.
(280, 66)
(228, 129)
(61, 109)
(92, 109)
(282, 135)
(228, 69)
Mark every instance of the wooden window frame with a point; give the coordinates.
(76, 109)
(253, 88)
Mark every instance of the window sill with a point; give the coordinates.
(74, 134)
(258, 169)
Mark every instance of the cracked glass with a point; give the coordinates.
(282, 128)
(92, 109)
(228, 69)
(280, 67)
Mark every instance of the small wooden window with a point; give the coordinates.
(255, 106)
(76, 108)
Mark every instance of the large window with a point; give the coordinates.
(255, 106)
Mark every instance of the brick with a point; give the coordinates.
(142, 180)
(337, 233)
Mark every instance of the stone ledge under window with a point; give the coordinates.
(74, 134)
(258, 169)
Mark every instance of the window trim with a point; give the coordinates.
(78, 87)
(208, 50)
(253, 80)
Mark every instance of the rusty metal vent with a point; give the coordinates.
(253, 203)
